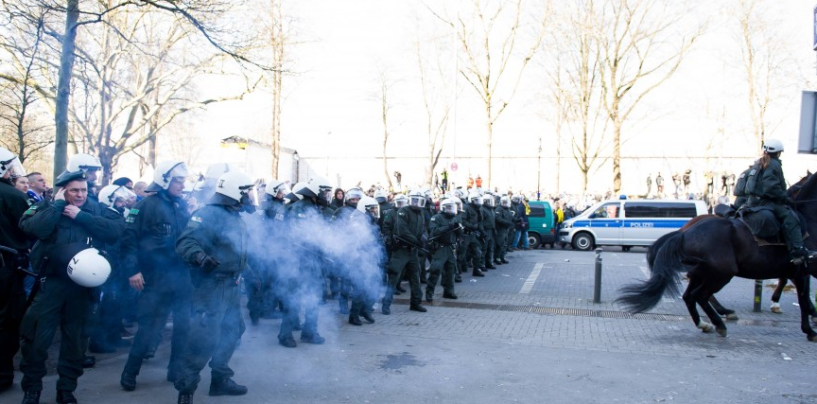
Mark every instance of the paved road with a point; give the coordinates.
(527, 333)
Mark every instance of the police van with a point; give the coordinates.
(633, 222)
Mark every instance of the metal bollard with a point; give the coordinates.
(758, 295)
(597, 285)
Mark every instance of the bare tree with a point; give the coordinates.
(640, 51)
(385, 107)
(764, 61)
(278, 42)
(489, 43)
(436, 104)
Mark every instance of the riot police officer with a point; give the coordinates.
(444, 229)
(91, 166)
(504, 222)
(214, 244)
(408, 232)
(149, 260)
(306, 285)
(387, 231)
(62, 228)
(472, 221)
(13, 204)
(489, 229)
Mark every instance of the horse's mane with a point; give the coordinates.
(804, 188)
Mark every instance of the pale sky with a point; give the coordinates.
(331, 107)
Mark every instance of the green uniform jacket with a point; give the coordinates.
(440, 228)
(488, 220)
(47, 223)
(149, 242)
(772, 184)
(471, 218)
(13, 204)
(504, 218)
(409, 225)
(219, 232)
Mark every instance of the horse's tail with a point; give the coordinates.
(652, 251)
(668, 262)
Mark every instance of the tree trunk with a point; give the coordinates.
(64, 87)
(152, 151)
(489, 143)
(277, 40)
(616, 157)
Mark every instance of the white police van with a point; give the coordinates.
(628, 222)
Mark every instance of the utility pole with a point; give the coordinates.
(539, 172)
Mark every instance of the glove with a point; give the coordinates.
(21, 261)
(452, 226)
(207, 262)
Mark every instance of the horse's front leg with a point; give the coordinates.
(803, 298)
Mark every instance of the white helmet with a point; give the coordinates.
(474, 198)
(297, 188)
(459, 193)
(320, 188)
(505, 202)
(108, 195)
(773, 146)
(83, 162)
(214, 171)
(10, 162)
(381, 195)
(89, 268)
(234, 185)
(276, 187)
(166, 171)
(369, 205)
(353, 193)
(489, 201)
(458, 201)
(448, 205)
(400, 200)
(417, 199)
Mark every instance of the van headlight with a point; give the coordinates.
(567, 225)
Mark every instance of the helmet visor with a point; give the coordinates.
(417, 201)
(450, 208)
(13, 166)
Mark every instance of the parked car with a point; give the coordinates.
(541, 224)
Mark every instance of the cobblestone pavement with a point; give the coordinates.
(528, 332)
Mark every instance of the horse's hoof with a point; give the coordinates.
(812, 338)
(732, 317)
(814, 319)
(721, 332)
(776, 310)
(706, 327)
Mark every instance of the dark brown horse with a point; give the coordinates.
(715, 250)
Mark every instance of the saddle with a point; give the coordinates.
(761, 222)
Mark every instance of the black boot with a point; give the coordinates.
(128, 380)
(288, 342)
(504, 261)
(451, 295)
(66, 397)
(312, 338)
(185, 398)
(458, 278)
(477, 272)
(31, 397)
(400, 288)
(429, 296)
(88, 361)
(354, 319)
(367, 316)
(226, 387)
(418, 307)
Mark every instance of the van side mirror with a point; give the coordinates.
(592, 215)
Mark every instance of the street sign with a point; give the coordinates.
(454, 166)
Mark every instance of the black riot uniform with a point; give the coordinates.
(58, 301)
(149, 246)
(304, 286)
(472, 221)
(214, 243)
(504, 223)
(445, 229)
(13, 204)
(262, 299)
(488, 235)
(409, 227)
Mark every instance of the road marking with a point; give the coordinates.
(537, 269)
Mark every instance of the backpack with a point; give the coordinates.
(740, 186)
(753, 175)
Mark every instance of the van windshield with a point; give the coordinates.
(607, 211)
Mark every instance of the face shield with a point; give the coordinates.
(12, 166)
(489, 201)
(373, 210)
(449, 208)
(476, 201)
(400, 202)
(417, 201)
(248, 198)
(353, 196)
(325, 196)
(505, 203)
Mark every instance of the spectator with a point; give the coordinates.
(21, 183)
(139, 190)
(38, 188)
(337, 201)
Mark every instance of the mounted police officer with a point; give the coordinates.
(214, 244)
(63, 229)
(305, 283)
(13, 204)
(150, 261)
(769, 190)
(408, 233)
(445, 229)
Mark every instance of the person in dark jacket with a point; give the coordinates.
(472, 221)
(408, 233)
(521, 221)
(504, 221)
(13, 204)
(214, 244)
(337, 199)
(444, 229)
(62, 226)
(489, 227)
(770, 191)
(149, 260)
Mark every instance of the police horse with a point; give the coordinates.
(715, 250)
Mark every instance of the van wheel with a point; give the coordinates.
(534, 241)
(626, 248)
(583, 242)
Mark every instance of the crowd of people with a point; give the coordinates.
(93, 260)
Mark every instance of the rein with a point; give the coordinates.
(806, 201)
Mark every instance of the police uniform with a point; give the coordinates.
(504, 224)
(444, 233)
(472, 221)
(770, 192)
(408, 226)
(260, 280)
(59, 302)
(489, 231)
(216, 231)
(149, 246)
(13, 204)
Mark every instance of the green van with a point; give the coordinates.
(541, 229)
